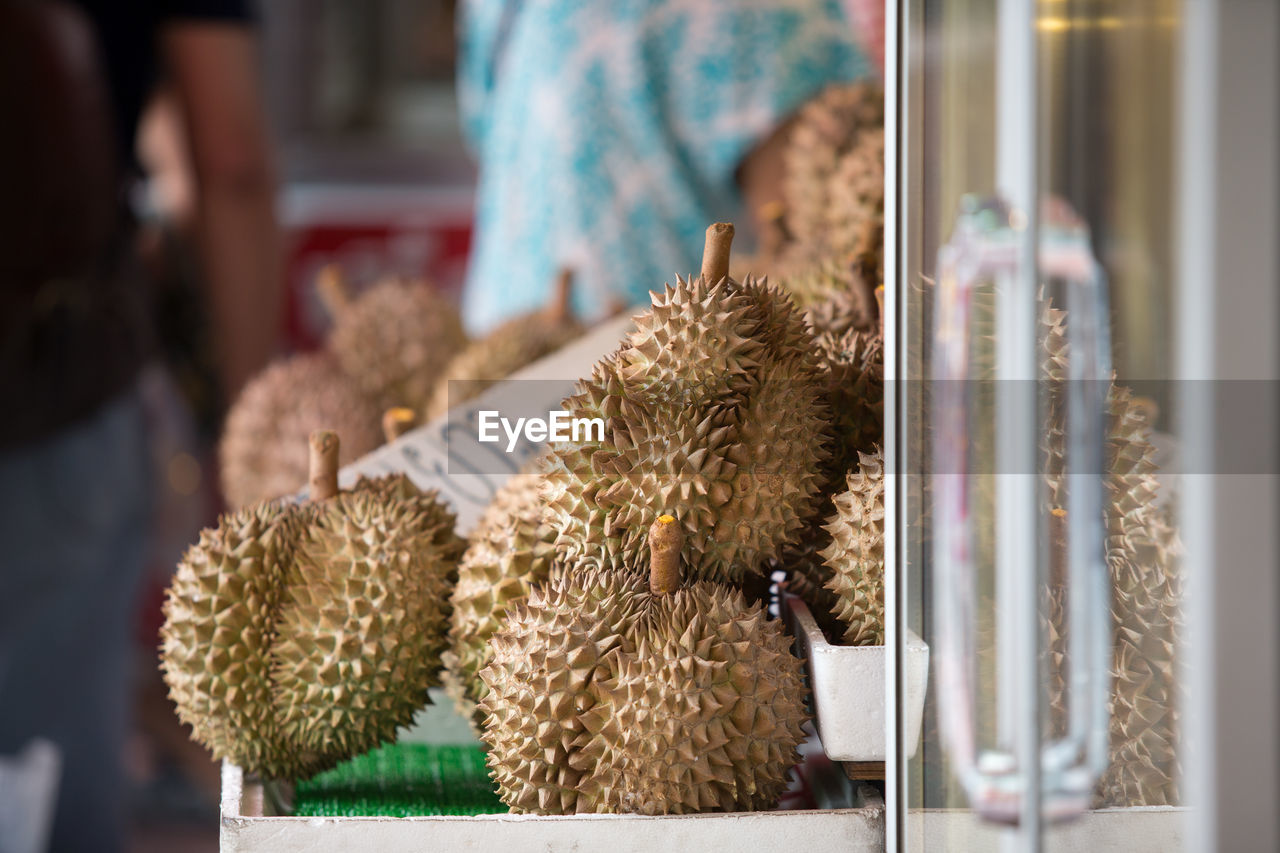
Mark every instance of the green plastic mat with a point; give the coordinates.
(403, 780)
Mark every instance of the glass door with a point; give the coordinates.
(1039, 497)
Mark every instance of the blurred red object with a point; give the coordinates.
(371, 232)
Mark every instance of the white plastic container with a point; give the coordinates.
(848, 688)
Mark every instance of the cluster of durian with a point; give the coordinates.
(601, 639)
(386, 349)
(298, 635)
(397, 344)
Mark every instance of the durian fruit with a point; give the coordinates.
(826, 130)
(297, 635)
(616, 692)
(713, 412)
(394, 339)
(263, 450)
(830, 295)
(221, 612)
(829, 250)
(855, 219)
(365, 621)
(507, 348)
(855, 557)
(509, 552)
(853, 365)
(1146, 601)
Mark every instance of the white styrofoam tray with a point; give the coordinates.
(848, 689)
(248, 827)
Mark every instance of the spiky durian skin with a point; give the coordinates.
(607, 698)
(853, 366)
(706, 708)
(855, 557)
(856, 213)
(395, 339)
(1146, 597)
(828, 251)
(221, 612)
(364, 624)
(263, 451)
(511, 549)
(298, 635)
(826, 130)
(503, 351)
(713, 413)
(538, 681)
(828, 292)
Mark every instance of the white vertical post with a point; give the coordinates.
(894, 459)
(1017, 516)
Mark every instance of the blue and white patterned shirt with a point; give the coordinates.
(609, 131)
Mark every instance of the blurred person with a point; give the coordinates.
(609, 135)
(73, 456)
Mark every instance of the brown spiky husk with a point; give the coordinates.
(828, 251)
(263, 450)
(511, 346)
(855, 557)
(607, 698)
(296, 636)
(510, 550)
(853, 365)
(395, 339)
(1146, 603)
(364, 624)
(714, 413)
(826, 131)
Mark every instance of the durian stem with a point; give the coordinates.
(560, 308)
(324, 464)
(331, 285)
(665, 541)
(715, 253)
(1057, 546)
(396, 421)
